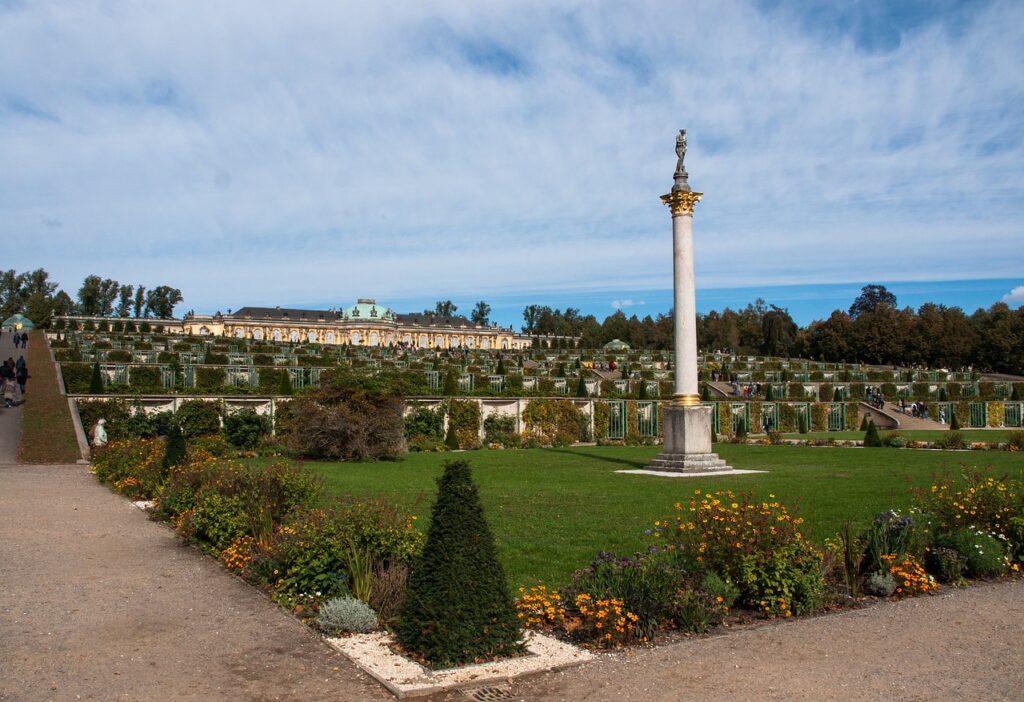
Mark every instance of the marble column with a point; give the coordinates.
(686, 422)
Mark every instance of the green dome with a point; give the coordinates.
(367, 310)
(19, 321)
(616, 345)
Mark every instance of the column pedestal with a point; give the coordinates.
(687, 442)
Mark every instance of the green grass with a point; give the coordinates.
(552, 509)
(989, 435)
(47, 431)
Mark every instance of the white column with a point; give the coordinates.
(685, 322)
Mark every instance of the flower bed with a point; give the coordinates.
(728, 555)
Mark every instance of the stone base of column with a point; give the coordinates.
(687, 446)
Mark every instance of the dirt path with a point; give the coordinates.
(97, 602)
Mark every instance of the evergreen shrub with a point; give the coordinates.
(457, 608)
(345, 614)
(245, 429)
(871, 437)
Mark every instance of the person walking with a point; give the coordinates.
(24, 340)
(10, 390)
(21, 376)
(17, 340)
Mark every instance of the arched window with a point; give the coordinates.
(294, 336)
(407, 339)
(470, 342)
(423, 341)
(239, 333)
(204, 330)
(485, 344)
(311, 337)
(330, 337)
(356, 338)
(276, 336)
(390, 341)
(257, 334)
(504, 344)
(454, 342)
(439, 342)
(374, 339)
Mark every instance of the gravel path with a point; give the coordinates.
(97, 602)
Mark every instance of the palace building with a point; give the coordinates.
(363, 324)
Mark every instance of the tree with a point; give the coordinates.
(284, 385)
(871, 438)
(451, 383)
(11, 292)
(443, 308)
(107, 294)
(90, 296)
(531, 316)
(457, 607)
(480, 313)
(161, 300)
(139, 304)
(581, 388)
(778, 332)
(871, 298)
(124, 300)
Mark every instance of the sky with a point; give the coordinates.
(309, 153)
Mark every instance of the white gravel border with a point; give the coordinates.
(700, 474)
(407, 678)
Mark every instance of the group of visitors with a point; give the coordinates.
(13, 377)
(919, 410)
(875, 398)
(747, 390)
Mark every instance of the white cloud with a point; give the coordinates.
(628, 302)
(1015, 297)
(344, 149)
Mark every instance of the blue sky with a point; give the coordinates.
(310, 153)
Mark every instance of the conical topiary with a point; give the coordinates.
(871, 437)
(864, 423)
(705, 393)
(641, 393)
(175, 452)
(500, 370)
(457, 608)
(451, 441)
(837, 395)
(943, 395)
(1015, 394)
(769, 394)
(581, 388)
(284, 385)
(954, 423)
(451, 383)
(96, 381)
(803, 424)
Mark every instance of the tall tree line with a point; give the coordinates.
(38, 298)
(873, 330)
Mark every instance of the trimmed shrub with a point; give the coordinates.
(552, 422)
(457, 607)
(345, 614)
(245, 429)
(871, 437)
(954, 423)
(96, 380)
(175, 452)
(198, 418)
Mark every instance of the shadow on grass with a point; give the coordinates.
(597, 455)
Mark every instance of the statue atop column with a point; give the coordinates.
(681, 183)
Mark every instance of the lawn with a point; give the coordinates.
(47, 432)
(552, 509)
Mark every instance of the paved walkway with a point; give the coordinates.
(10, 418)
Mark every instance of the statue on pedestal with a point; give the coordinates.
(681, 182)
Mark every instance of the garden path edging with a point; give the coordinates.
(406, 678)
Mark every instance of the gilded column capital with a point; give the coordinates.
(681, 202)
